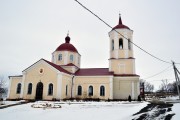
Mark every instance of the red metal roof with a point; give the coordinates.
(124, 75)
(57, 67)
(93, 72)
(70, 64)
(120, 25)
(67, 46)
(120, 58)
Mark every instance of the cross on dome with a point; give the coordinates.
(68, 33)
(67, 39)
(120, 21)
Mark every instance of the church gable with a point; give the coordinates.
(41, 64)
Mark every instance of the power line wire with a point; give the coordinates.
(122, 35)
(157, 73)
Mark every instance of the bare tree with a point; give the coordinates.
(148, 87)
(3, 89)
(164, 86)
(173, 88)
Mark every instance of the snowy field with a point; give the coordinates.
(80, 111)
(74, 111)
(4, 103)
(176, 110)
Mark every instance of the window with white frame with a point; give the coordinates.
(60, 57)
(29, 88)
(129, 44)
(90, 91)
(102, 91)
(18, 90)
(112, 44)
(66, 90)
(79, 92)
(71, 57)
(50, 89)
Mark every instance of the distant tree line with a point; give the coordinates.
(3, 89)
(148, 87)
(168, 87)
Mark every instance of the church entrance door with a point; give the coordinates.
(39, 91)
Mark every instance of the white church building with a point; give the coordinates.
(62, 77)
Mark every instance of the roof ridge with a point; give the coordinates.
(53, 65)
(94, 68)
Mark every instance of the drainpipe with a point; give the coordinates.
(72, 85)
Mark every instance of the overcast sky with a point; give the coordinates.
(33, 29)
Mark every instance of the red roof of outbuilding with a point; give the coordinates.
(67, 46)
(93, 72)
(120, 25)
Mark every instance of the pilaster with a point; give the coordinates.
(132, 89)
(111, 87)
(22, 83)
(59, 85)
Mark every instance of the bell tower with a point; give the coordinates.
(121, 61)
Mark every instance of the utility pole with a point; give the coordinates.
(176, 77)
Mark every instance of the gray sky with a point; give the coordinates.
(31, 30)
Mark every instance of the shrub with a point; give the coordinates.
(129, 98)
(139, 98)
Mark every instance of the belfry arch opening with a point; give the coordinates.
(112, 44)
(129, 44)
(120, 43)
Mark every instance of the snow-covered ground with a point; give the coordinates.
(82, 111)
(176, 110)
(4, 103)
(74, 111)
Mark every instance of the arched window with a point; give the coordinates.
(66, 90)
(129, 44)
(90, 91)
(71, 57)
(112, 44)
(102, 91)
(120, 43)
(18, 91)
(29, 88)
(79, 90)
(60, 57)
(50, 89)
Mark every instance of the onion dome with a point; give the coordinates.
(120, 25)
(67, 46)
